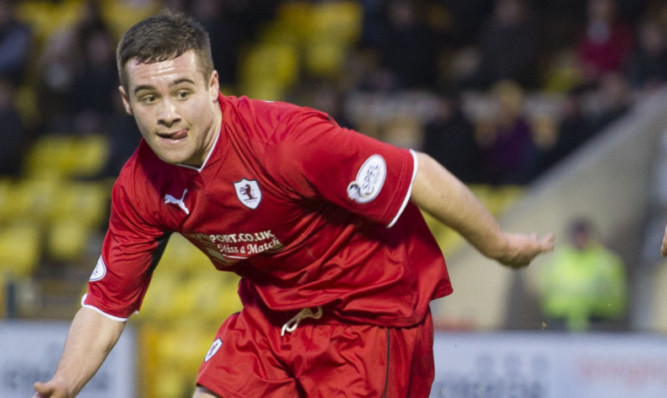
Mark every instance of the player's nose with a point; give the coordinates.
(168, 113)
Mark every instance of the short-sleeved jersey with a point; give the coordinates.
(306, 212)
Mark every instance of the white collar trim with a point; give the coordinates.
(208, 156)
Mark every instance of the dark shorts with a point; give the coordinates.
(320, 358)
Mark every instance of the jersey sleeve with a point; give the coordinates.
(130, 252)
(359, 173)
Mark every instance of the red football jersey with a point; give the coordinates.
(307, 213)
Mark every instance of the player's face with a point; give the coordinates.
(175, 107)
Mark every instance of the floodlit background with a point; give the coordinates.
(549, 110)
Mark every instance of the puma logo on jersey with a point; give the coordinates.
(168, 199)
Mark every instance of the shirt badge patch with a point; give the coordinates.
(369, 181)
(99, 272)
(248, 193)
(214, 348)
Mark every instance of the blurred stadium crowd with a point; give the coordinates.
(499, 91)
(511, 86)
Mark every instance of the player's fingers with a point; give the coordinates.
(534, 248)
(663, 248)
(43, 390)
(547, 242)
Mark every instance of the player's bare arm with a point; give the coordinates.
(663, 247)
(442, 195)
(203, 392)
(91, 337)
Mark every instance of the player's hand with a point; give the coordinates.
(521, 249)
(663, 248)
(51, 389)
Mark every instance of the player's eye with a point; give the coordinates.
(148, 99)
(182, 94)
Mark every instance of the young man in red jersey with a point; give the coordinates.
(322, 224)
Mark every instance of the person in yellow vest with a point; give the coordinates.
(584, 283)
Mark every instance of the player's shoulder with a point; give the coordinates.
(279, 112)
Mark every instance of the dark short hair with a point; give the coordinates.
(163, 37)
(580, 225)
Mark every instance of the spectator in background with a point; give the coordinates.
(510, 155)
(15, 44)
(612, 99)
(574, 127)
(57, 65)
(647, 67)
(467, 19)
(508, 45)
(124, 136)
(606, 41)
(584, 286)
(226, 37)
(12, 133)
(95, 79)
(408, 48)
(329, 98)
(77, 75)
(449, 137)
(94, 84)
(372, 29)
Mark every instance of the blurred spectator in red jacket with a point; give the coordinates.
(605, 43)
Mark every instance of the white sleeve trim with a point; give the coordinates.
(407, 195)
(115, 318)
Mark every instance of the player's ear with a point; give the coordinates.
(214, 86)
(125, 99)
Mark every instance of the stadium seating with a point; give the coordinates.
(172, 357)
(6, 192)
(66, 240)
(30, 199)
(334, 28)
(314, 36)
(46, 17)
(121, 15)
(19, 249)
(181, 258)
(67, 155)
(268, 70)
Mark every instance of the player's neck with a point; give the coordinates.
(216, 126)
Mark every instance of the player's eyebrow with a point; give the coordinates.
(179, 81)
(174, 83)
(143, 87)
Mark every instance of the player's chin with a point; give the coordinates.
(173, 153)
(174, 157)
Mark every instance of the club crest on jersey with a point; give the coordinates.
(369, 181)
(248, 193)
(99, 272)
